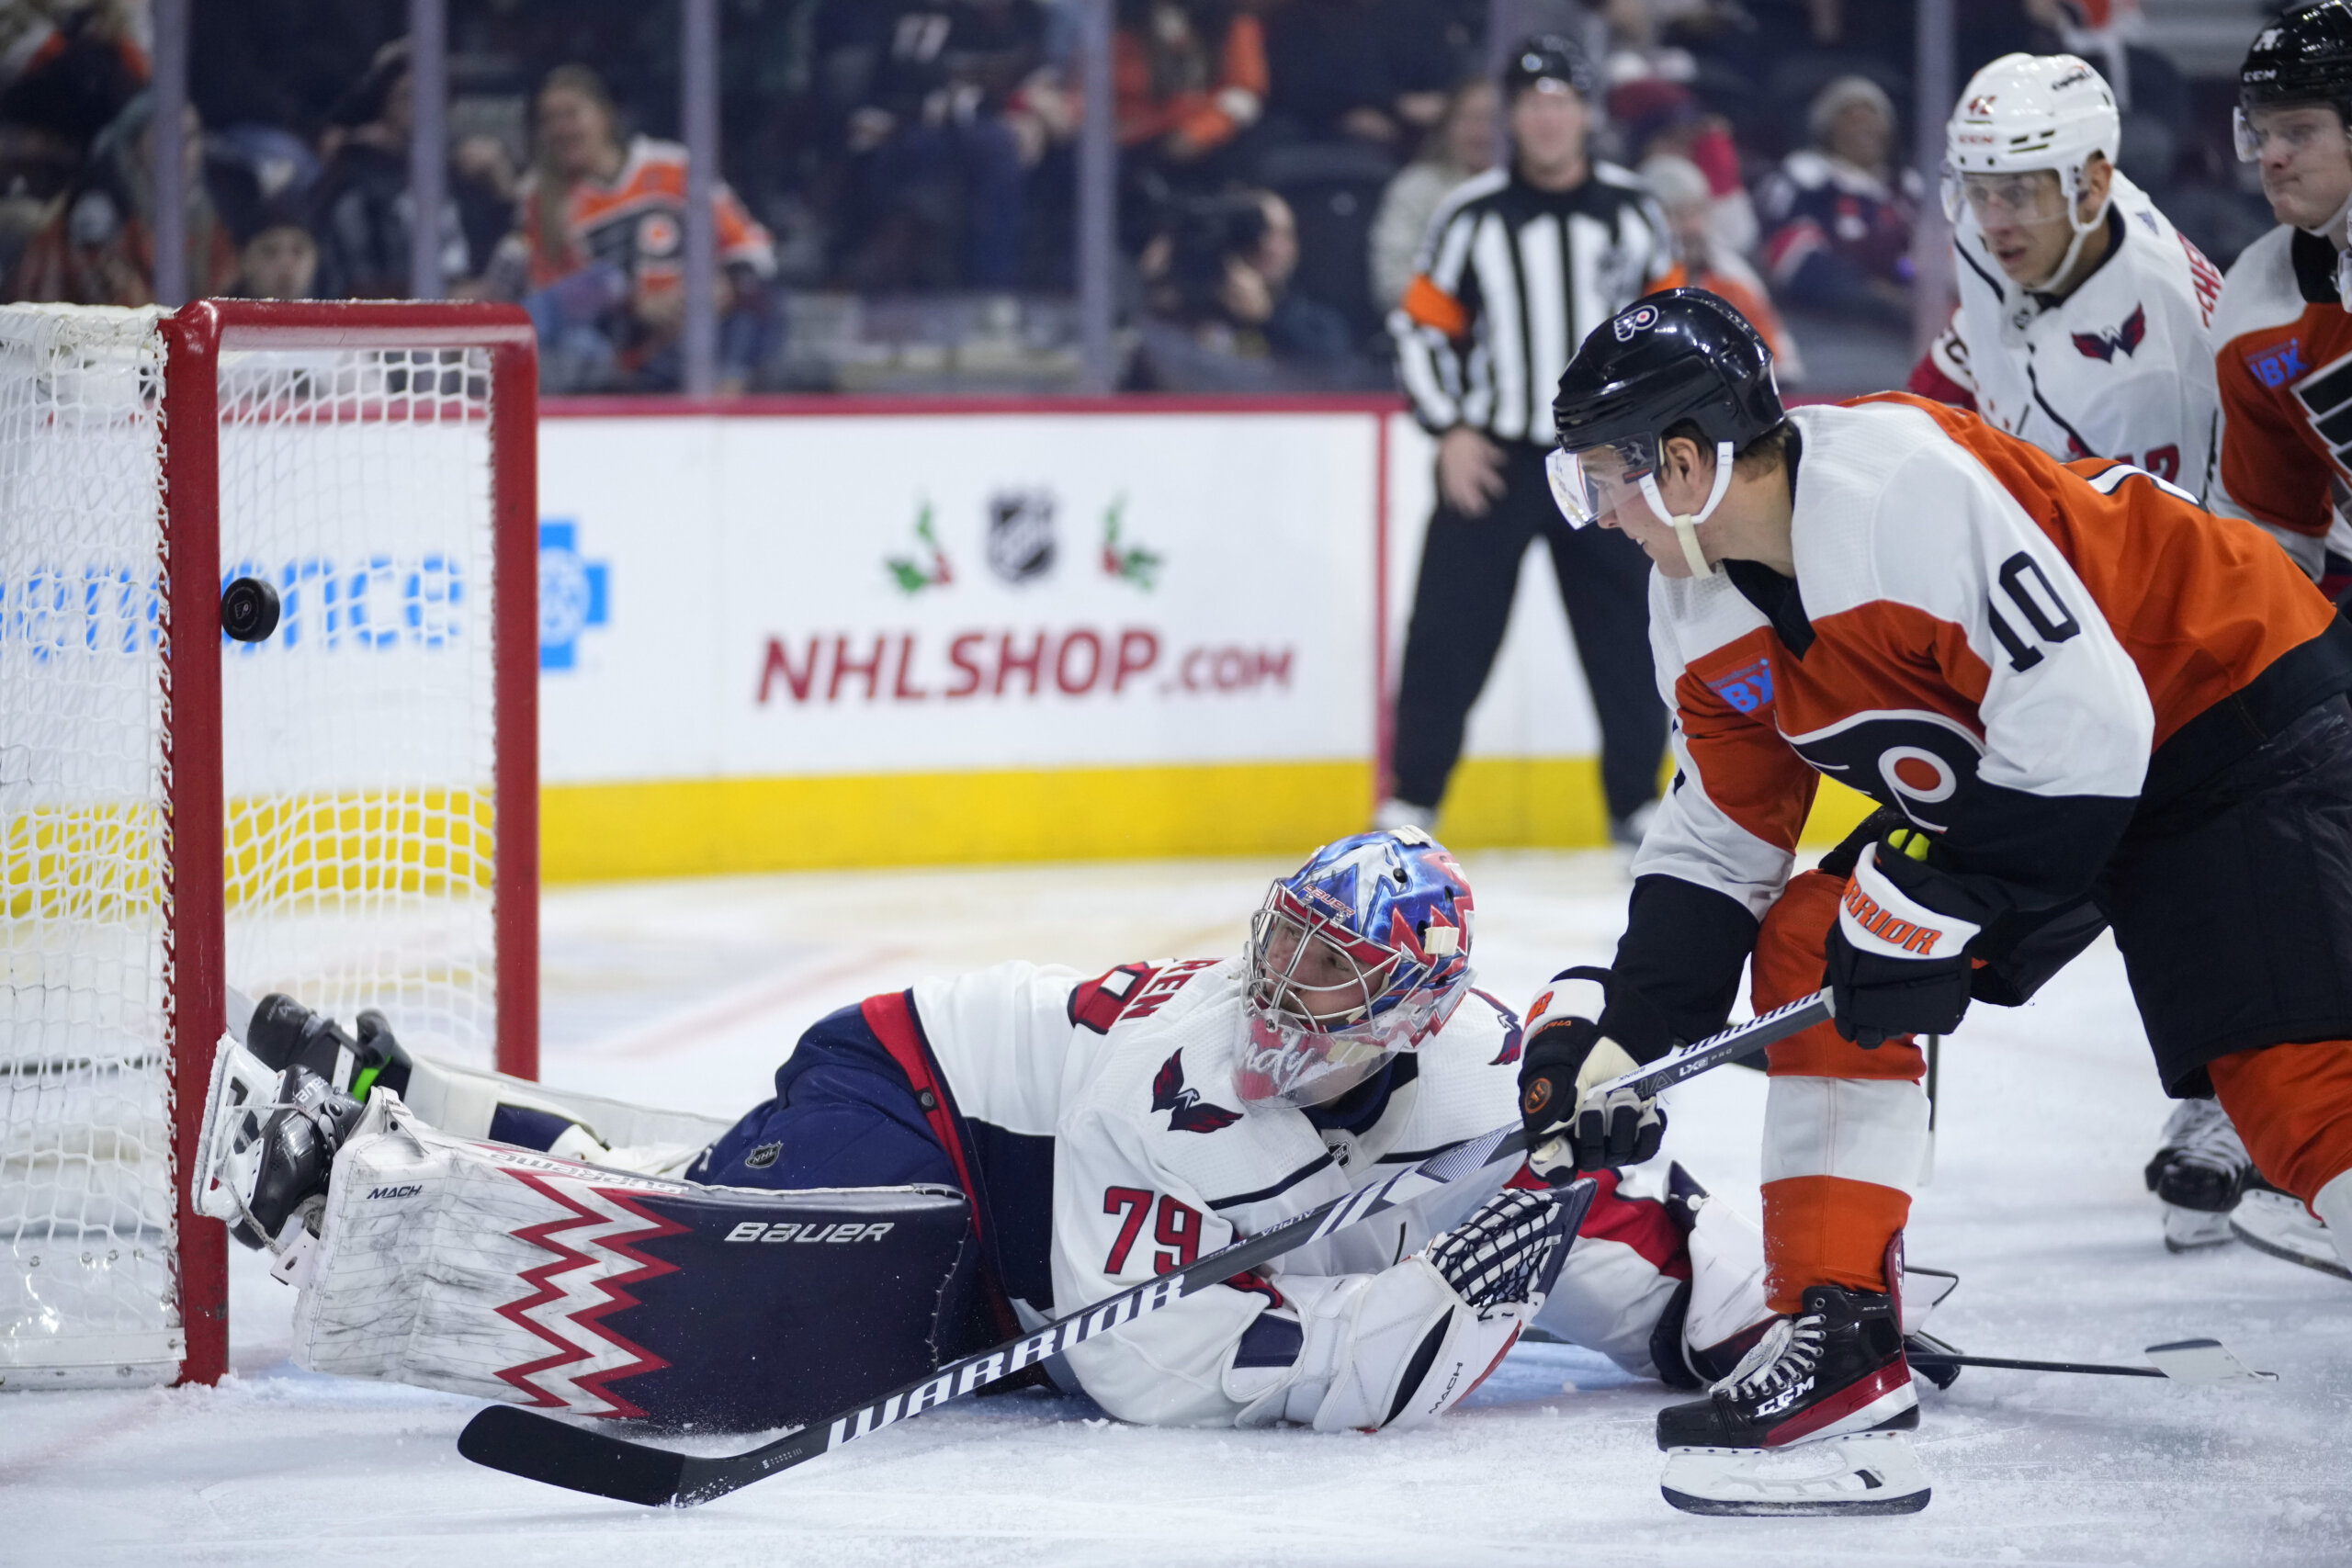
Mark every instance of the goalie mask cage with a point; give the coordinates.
(344, 811)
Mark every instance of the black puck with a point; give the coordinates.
(249, 610)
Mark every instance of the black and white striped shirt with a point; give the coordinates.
(1511, 279)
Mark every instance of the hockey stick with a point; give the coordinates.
(539, 1448)
(1690, 1061)
(2197, 1361)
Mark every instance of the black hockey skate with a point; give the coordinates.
(2203, 1164)
(283, 1156)
(283, 1033)
(1834, 1370)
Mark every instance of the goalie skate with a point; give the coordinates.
(1871, 1472)
(2276, 1223)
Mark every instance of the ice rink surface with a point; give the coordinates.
(685, 994)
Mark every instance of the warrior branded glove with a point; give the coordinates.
(1898, 961)
(1569, 1127)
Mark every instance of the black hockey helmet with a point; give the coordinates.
(1682, 354)
(2302, 58)
(1549, 57)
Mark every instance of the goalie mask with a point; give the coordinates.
(1682, 354)
(1361, 953)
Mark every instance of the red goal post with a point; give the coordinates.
(346, 810)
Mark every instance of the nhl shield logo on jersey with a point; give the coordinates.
(1021, 535)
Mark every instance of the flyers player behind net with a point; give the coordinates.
(2084, 315)
(2081, 701)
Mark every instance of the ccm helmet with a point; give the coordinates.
(2305, 58)
(1548, 57)
(2025, 113)
(1360, 954)
(1680, 354)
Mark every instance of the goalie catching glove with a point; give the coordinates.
(1401, 1347)
(1569, 1127)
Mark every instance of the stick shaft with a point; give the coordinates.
(1691, 1060)
(1923, 1358)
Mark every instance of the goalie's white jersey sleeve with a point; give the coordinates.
(2122, 368)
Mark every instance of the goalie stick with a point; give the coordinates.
(539, 1448)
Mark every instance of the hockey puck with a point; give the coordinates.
(249, 610)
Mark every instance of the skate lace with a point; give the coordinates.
(2200, 1133)
(1787, 1352)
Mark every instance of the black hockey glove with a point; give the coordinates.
(1898, 963)
(1568, 1127)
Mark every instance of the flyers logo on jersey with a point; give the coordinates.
(1913, 760)
(2122, 340)
(2326, 397)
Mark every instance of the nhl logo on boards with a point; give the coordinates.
(1639, 319)
(1021, 535)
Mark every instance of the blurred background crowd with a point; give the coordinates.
(899, 203)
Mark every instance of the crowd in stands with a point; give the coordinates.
(1280, 160)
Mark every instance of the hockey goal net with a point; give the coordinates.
(344, 810)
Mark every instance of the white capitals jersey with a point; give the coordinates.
(2122, 368)
(1124, 1085)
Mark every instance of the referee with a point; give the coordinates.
(1519, 263)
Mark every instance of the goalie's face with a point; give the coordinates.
(1311, 1036)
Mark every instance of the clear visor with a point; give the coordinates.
(1282, 1065)
(1591, 484)
(2294, 128)
(2025, 199)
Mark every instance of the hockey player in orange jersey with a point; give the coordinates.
(2081, 701)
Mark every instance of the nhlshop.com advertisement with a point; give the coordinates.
(914, 636)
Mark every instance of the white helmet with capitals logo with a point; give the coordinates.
(2028, 112)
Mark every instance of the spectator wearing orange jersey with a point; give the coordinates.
(598, 255)
(1187, 77)
(1687, 197)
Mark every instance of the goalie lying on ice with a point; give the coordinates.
(944, 1165)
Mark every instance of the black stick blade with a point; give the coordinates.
(538, 1447)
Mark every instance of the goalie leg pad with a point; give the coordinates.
(494, 1272)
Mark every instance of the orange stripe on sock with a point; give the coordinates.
(1825, 1230)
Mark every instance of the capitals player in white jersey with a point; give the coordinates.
(2084, 314)
(948, 1163)
(2083, 326)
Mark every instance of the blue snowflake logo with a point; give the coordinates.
(573, 593)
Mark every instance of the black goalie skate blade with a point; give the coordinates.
(1874, 1473)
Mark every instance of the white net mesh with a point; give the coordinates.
(358, 740)
(358, 751)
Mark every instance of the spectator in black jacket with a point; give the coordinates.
(361, 205)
